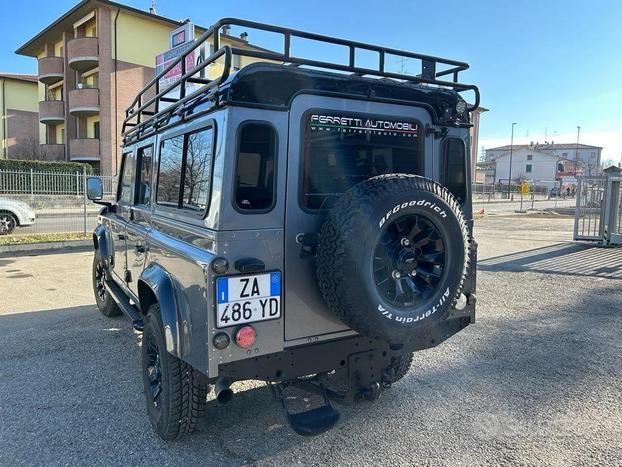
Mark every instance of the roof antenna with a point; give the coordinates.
(152, 8)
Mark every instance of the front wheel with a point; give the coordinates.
(176, 393)
(8, 222)
(105, 303)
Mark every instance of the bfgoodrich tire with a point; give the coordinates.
(175, 393)
(392, 256)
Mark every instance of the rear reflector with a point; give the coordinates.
(245, 337)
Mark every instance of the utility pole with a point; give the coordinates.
(576, 152)
(511, 150)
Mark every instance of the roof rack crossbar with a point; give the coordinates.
(432, 68)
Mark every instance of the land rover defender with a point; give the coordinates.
(301, 222)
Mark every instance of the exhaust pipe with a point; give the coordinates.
(223, 392)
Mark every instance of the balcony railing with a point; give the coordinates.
(84, 149)
(51, 112)
(84, 102)
(51, 69)
(83, 53)
(52, 152)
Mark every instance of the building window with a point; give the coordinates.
(529, 157)
(255, 166)
(528, 168)
(565, 155)
(96, 130)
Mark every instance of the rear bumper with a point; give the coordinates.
(331, 355)
(326, 356)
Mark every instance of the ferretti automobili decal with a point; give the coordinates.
(340, 124)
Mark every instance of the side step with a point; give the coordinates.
(126, 307)
(311, 422)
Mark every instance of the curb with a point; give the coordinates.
(35, 248)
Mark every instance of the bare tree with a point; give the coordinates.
(27, 149)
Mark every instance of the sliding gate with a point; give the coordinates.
(598, 215)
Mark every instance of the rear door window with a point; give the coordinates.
(342, 150)
(255, 168)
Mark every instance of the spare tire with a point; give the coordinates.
(392, 256)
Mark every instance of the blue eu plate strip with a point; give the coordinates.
(222, 288)
(275, 283)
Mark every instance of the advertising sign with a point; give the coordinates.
(180, 41)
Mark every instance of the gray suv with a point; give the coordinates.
(299, 222)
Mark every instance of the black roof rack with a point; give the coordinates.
(147, 111)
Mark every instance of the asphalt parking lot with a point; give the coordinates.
(537, 380)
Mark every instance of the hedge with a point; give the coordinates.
(42, 166)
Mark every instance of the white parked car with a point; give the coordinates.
(13, 214)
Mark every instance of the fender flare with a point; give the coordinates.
(99, 241)
(156, 285)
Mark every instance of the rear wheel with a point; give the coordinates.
(399, 367)
(106, 304)
(175, 393)
(8, 222)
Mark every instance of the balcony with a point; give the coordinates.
(51, 112)
(83, 102)
(51, 70)
(52, 152)
(84, 149)
(83, 53)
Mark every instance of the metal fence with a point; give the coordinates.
(36, 202)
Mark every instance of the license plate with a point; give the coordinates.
(247, 299)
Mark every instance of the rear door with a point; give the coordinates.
(334, 144)
(121, 216)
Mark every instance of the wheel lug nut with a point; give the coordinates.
(405, 242)
(396, 274)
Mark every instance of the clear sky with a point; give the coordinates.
(548, 65)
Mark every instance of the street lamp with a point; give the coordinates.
(576, 152)
(511, 149)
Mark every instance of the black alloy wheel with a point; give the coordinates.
(409, 261)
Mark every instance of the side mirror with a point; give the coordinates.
(94, 188)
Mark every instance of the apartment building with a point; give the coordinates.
(587, 156)
(19, 117)
(91, 63)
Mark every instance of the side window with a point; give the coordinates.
(185, 171)
(169, 173)
(454, 172)
(143, 181)
(255, 166)
(198, 169)
(124, 194)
